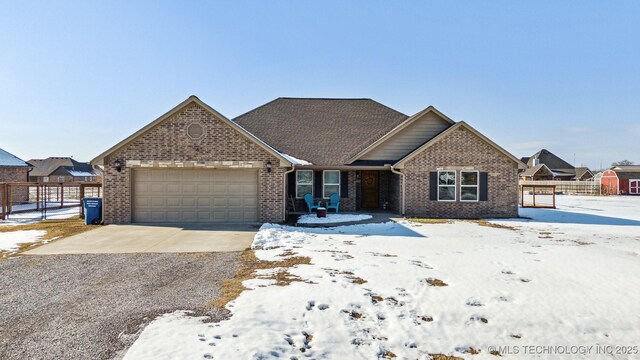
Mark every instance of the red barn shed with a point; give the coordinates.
(624, 180)
(610, 183)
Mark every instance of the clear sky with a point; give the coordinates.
(78, 76)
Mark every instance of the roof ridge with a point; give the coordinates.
(322, 98)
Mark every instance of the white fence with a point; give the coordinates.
(587, 187)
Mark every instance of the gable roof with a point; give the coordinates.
(9, 160)
(534, 170)
(285, 161)
(435, 139)
(318, 130)
(398, 128)
(45, 167)
(552, 161)
(580, 171)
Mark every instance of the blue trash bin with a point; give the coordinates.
(92, 211)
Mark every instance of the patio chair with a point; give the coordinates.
(308, 198)
(334, 202)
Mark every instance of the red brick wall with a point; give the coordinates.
(460, 150)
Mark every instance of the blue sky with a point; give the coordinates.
(78, 76)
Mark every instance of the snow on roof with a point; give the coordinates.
(294, 160)
(80, 173)
(10, 160)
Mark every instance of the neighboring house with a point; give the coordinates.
(14, 169)
(62, 169)
(621, 179)
(194, 165)
(544, 165)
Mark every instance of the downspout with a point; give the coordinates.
(284, 208)
(402, 186)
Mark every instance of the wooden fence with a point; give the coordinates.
(569, 187)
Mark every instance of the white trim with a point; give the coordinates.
(434, 140)
(324, 196)
(455, 186)
(296, 174)
(408, 121)
(477, 186)
(637, 181)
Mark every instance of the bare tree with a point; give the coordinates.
(621, 162)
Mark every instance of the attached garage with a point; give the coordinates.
(195, 195)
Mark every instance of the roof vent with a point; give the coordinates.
(195, 131)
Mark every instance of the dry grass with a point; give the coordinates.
(358, 280)
(436, 282)
(429, 221)
(388, 355)
(354, 314)
(55, 229)
(486, 223)
(472, 351)
(444, 357)
(249, 264)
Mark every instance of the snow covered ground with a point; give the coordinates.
(332, 218)
(560, 285)
(10, 241)
(35, 216)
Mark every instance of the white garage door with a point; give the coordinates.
(190, 195)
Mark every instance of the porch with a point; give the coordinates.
(360, 190)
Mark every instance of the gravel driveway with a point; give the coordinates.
(93, 306)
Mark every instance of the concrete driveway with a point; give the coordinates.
(120, 239)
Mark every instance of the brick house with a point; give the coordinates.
(14, 169)
(194, 165)
(544, 165)
(62, 169)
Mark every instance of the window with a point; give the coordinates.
(60, 178)
(331, 183)
(469, 180)
(304, 183)
(447, 185)
(45, 179)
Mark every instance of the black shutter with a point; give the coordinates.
(484, 188)
(291, 184)
(433, 185)
(344, 184)
(317, 184)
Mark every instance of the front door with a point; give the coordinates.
(369, 189)
(634, 187)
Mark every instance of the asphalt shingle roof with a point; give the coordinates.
(10, 160)
(320, 131)
(44, 167)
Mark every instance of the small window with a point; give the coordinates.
(447, 185)
(45, 179)
(331, 183)
(469, 181)
(304, 183)
(60, 178)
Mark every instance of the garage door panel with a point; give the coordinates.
(235, 202)
(219, 189)
(189, 188)
(195, 195)
(174, 188)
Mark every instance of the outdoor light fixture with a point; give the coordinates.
(118, 165)
(269, 166)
